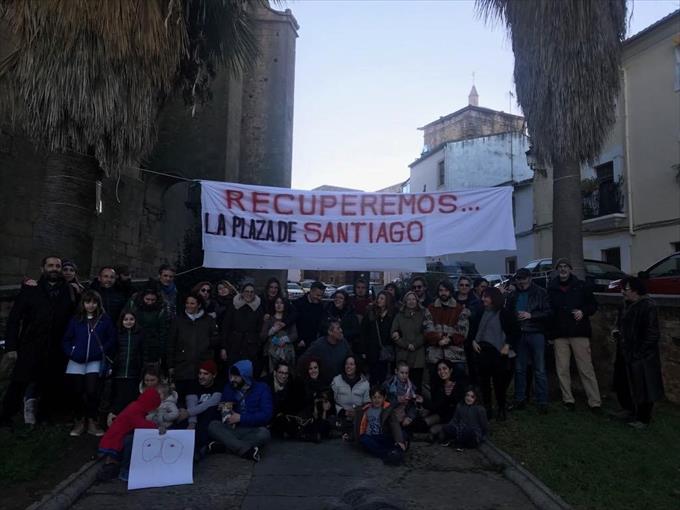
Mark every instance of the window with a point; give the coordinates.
(511, 265)
(441, 174)
(676, 246)
(612, 256)
(608, 191)
(668, 267)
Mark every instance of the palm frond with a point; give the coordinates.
(567, 65)
(91, 76)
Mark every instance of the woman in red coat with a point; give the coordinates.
(133, 417)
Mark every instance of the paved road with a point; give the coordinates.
(305, 476)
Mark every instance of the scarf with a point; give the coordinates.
(490, 330)
(194, 316)
(349, 381)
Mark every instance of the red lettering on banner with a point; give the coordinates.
(312, 208)
(277, 205)
(328, 234)
(357, 229)
(347, 202)
(430, 204)
(388, 205)
(414, 227)
(312, 232)
(260, 198)
(382, 233)
(447, 203)
(407, 201)
(327, 202)
(343, 230)
(368, 202)
(397, 231)
(235, 197)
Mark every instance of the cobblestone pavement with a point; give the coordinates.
(304, 476)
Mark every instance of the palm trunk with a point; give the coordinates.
(567, 214)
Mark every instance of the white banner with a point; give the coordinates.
(255, 227)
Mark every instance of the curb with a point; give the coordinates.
(64, 495)
(539, 494)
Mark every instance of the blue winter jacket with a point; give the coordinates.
(255, 406)
(82, 345)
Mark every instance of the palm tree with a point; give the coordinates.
(567, 75)
(90, 77)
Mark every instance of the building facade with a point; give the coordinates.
(480, 147)
(631, 192)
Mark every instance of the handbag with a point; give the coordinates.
(386, 351)
(106, 364)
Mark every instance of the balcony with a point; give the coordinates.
(603, 206)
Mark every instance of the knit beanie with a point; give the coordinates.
(565, 262)
(209, 366)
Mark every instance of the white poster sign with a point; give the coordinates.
(247, 226)
(161, 460)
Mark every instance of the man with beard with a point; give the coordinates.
(446, 330)
(246, 410)
(35, 329)
(419, 287)
(113, 298)
(361, 299)
(166, 277)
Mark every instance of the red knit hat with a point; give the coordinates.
(209, 366)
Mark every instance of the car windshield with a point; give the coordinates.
(294, 286)
(598, 268)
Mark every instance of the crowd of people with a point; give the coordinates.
(238, 367)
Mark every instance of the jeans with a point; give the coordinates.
(379, 445)
(531, 345)
(240, 439)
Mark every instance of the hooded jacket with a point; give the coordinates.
(131, 418)
(254, 402)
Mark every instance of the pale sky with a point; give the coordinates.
(369, 73)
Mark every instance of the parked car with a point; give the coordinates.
(660, 278)
(347, 288)
(495, 279)
(306, 285)
(294, 290)
(599, 274)
(330, 290)
(452, 271)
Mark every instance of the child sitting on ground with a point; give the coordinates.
(166, 413)
(469, 426)
(131, 418)
(379, 431)
(401, 394)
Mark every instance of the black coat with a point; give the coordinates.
(113, 299)
(638, 351)
(190, 343)
(308, 319)
(241, 330)
(370, 342)
(574, 296)
(36, 326)
(538, 307)
(291, 399)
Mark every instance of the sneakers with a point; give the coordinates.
(29, 411)
(216, 447)
(78, 428)
(108, 472)
(637, 425)
(252, 454)
(93, 429)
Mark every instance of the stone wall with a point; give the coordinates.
(604, 350)
(471, 122)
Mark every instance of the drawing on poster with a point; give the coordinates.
(161, 460)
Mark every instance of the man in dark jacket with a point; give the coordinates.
(637, 371)
(113, 298)
(35, 329)
(572, 305)
(529, 303)
(330, 351)
(309, 311)
(243, 428)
